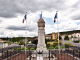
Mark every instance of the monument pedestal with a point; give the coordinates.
(41, 47)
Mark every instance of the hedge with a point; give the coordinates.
(53, 43)
(51, 47)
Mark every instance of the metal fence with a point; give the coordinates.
(15, 53)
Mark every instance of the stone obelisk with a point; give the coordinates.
(41, 46)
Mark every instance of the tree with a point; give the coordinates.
(59, 37)
(71, 36)
(66, 37)
(29, 39)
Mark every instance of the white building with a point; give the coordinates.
(48, 36)
(76, 34)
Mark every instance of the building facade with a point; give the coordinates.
(54, 36)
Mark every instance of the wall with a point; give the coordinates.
(2, 45)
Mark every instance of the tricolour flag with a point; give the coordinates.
(55, 17)
(24, 18)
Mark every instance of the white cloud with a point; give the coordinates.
(11, 16)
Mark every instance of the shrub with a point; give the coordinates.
(6, 42)
(23, 48)
(56, 40)
(69, 44)
(56, 47)
(27, 49)
(51, 47)
(35, 48)
(19, 49)
(62, 47)
(21, 43)
(66, 37)
(55, 44)
(32, 48)
(51, 43)
(27, 42)
(47, 45)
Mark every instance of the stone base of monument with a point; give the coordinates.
(42, 48)
(41, 56)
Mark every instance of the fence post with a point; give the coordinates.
(73, 54)
(30, 54)
(7, 54)
(10, 55)
(18, 53)
(49, 54)
(79, 54)
(2, 53)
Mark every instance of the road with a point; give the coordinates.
(74, 44)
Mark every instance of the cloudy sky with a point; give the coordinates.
(12, 13)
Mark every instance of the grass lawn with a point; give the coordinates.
(71, 40)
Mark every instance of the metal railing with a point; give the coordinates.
(15, 53)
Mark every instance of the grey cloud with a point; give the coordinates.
(21, 28)
(76, 18)
(1, 33)
(12, 8)
(0, 21)
(16, 28)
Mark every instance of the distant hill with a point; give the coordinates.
(68, 32)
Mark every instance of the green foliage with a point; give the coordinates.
(69, 44)
(62, 47)
(32, 48)
(71, 36)
(55, 44)
(47, 40)
(66, 37)
(4, 38)
(6, 42)
(51, 47)
(23, 48)
(56, 47)
(21, 43)
(59, 37)
(51, 43)
(70, 32)
(29, 39)
(19, 49)
(47, 45)
(56, 40)
(79, 41)
(27, 49)
(75, 37)
(27, 42)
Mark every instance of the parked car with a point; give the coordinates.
(76, 41)
(31, 45)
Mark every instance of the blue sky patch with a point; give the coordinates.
(48, 20)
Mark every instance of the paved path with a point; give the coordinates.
(74, 44)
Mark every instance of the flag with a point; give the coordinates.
(55, 17)
(24, 18)
(41, 15)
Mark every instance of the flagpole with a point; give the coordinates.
(58, 32)
(26, 34)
